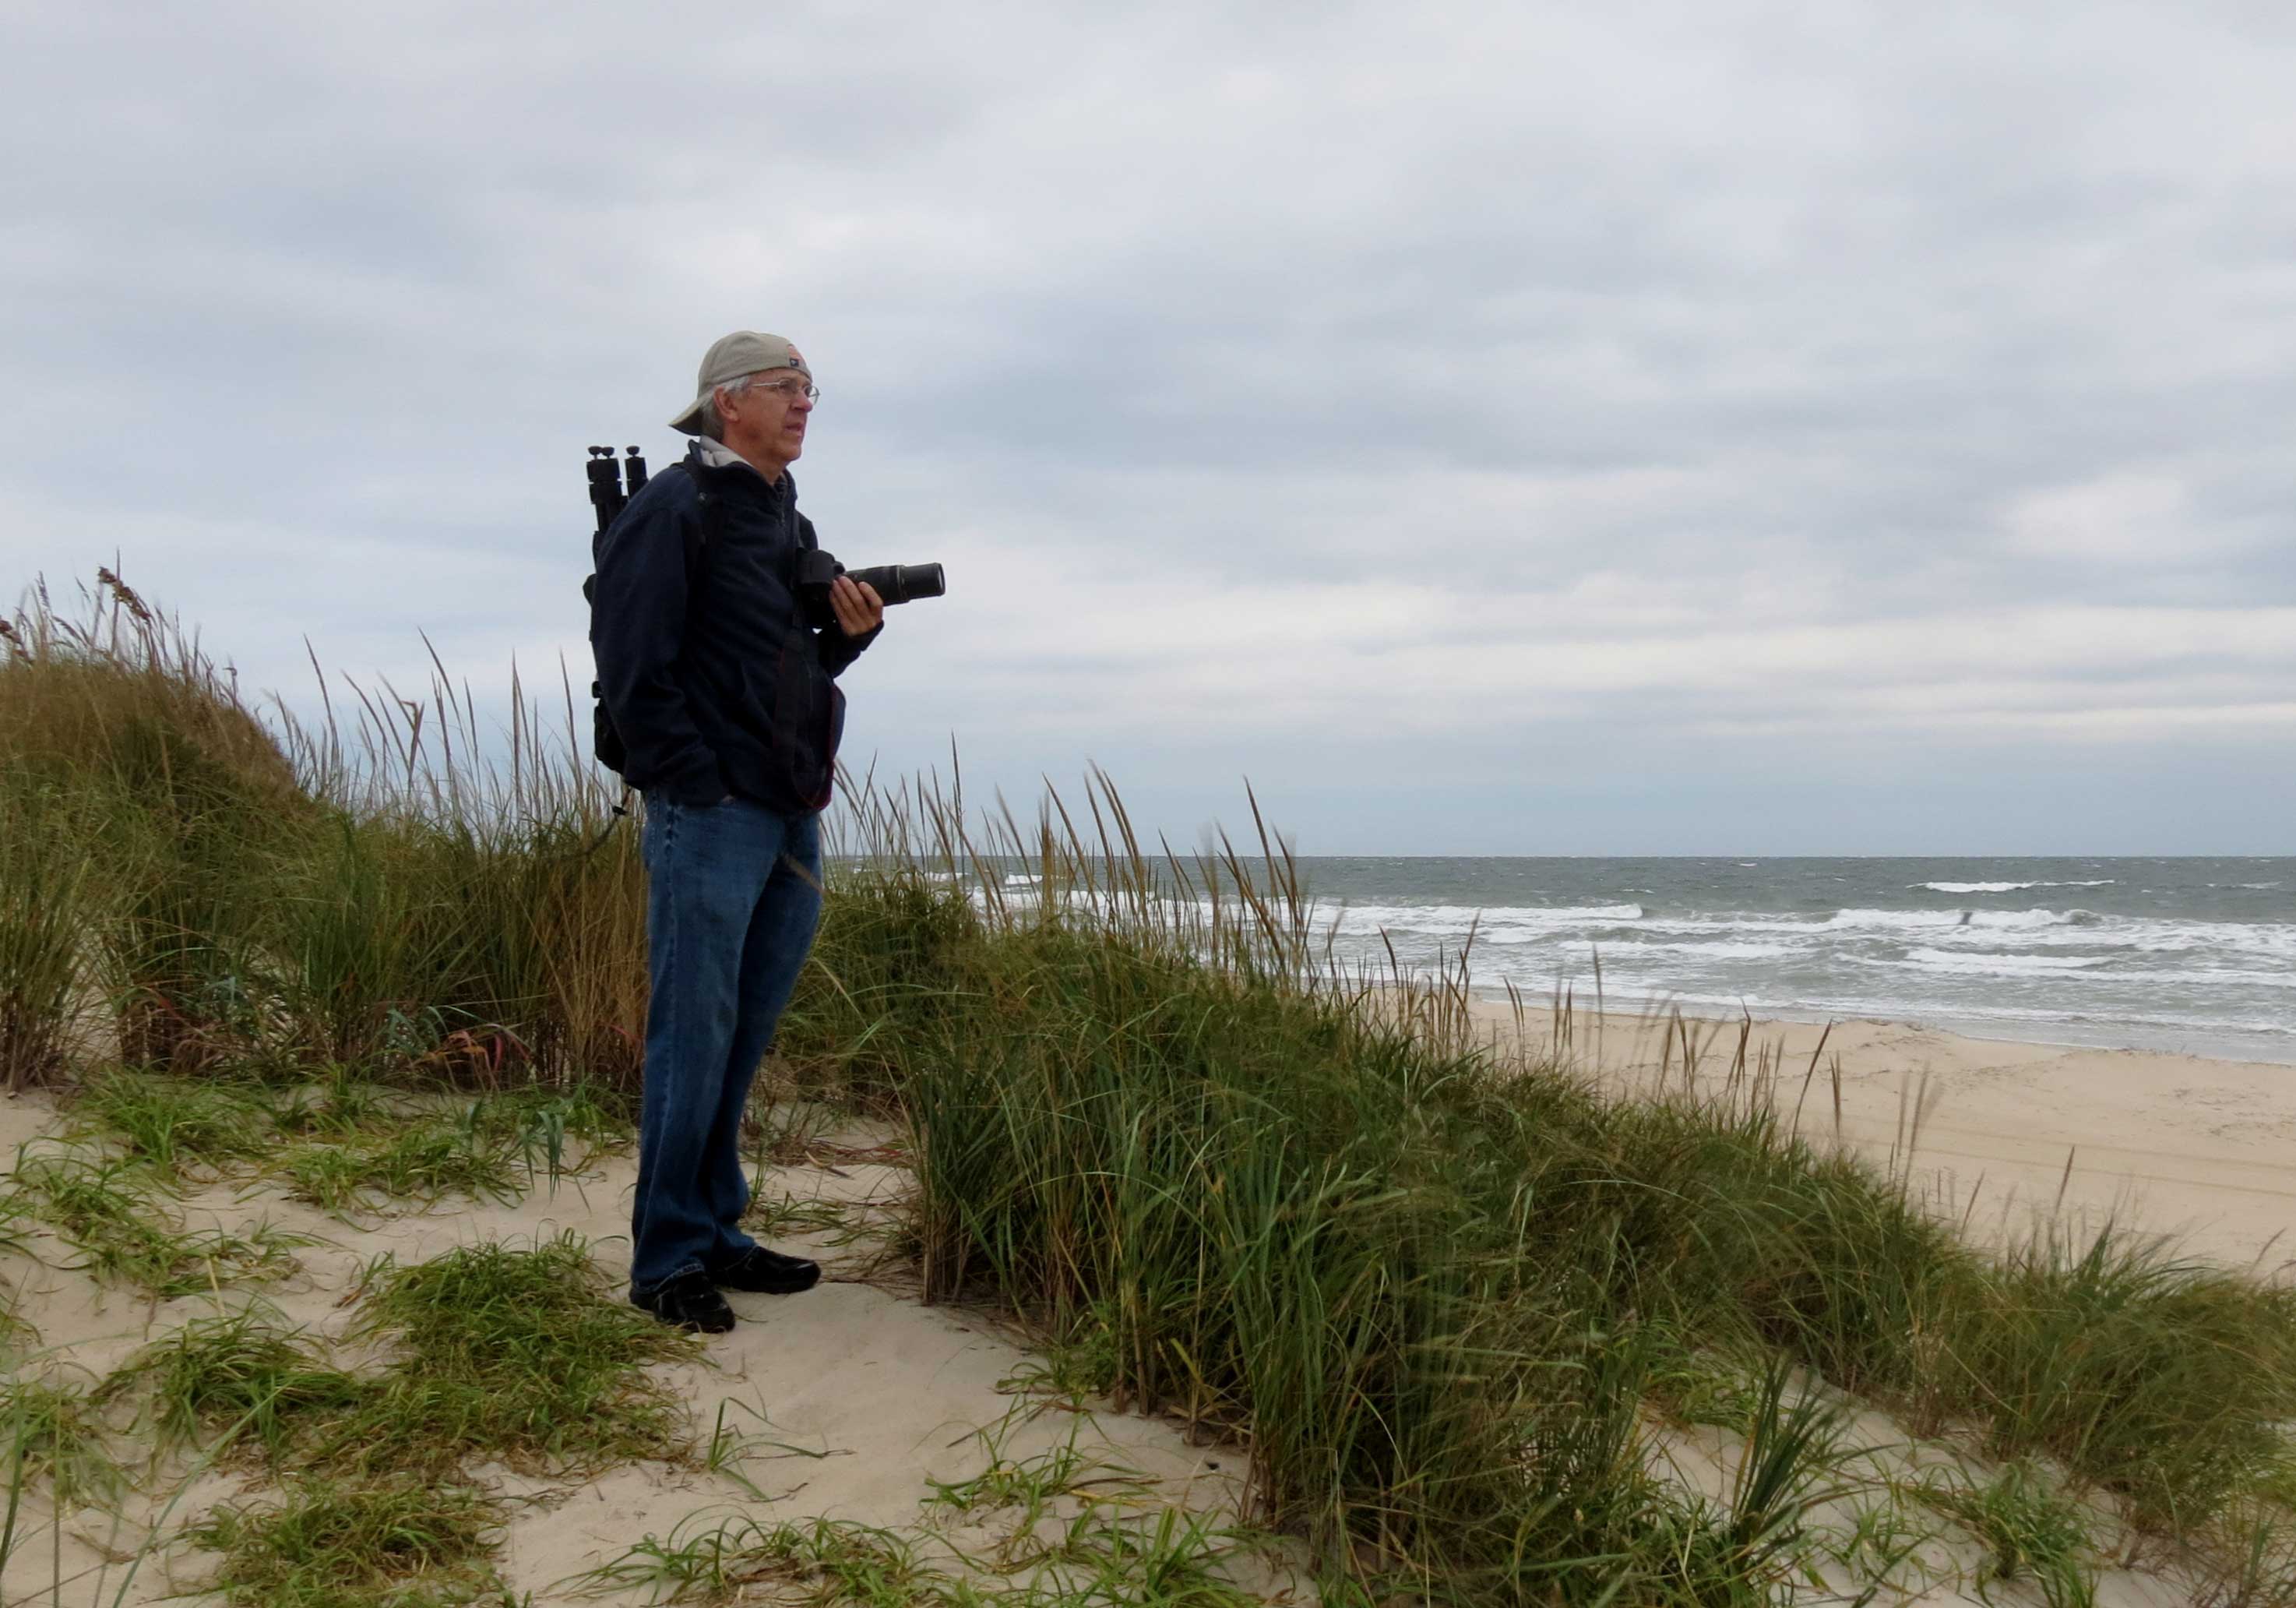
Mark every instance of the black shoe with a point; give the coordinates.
(687, 1302)
(767, 1272)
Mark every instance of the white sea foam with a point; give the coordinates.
(1976, 930)
(2205, 977)
(2005, 887)
(1994, 920)
(1965, 965)
(1455, 921)
(1626, 951)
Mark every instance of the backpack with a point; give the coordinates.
(606, 745)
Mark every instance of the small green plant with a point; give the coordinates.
(109, 1209)
(1171, 1559)
(361, 1143)
(543, 1129)
(329, 1176)
(782, 1213)
(177, 1124)
(1174, 1561)
(339, 1103)
(1793, 1460)
(423, 1162)
(54, 1430)
(731, 1448)
(241, 1372)
(2030, 1532)
(497, 1353)
(16, 1331)
(1884, 1537)
(1032, 1486)
(785, 1130)
(1076, 1367)
(1790, 1459)
(516, 1354)
(828, 1560)
(404, 1544)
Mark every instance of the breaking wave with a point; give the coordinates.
(2007, 887)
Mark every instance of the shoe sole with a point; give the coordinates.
(690, 1326)
(791, 1288)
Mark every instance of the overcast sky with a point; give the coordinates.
(1657, 428)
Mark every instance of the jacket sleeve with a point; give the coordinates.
(637, 633)
(836, 650)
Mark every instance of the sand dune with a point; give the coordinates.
(854, 1397)
(2201, 1150)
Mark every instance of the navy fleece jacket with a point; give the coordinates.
(687, 632)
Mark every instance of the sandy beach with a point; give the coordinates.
(2008, 1134)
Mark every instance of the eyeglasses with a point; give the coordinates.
(789, 390)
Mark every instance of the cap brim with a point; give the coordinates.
(689, 421)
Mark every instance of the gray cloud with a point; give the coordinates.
(1616, 424)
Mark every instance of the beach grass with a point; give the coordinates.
(242, 1372)
(1101, 1558)
(409, 1543)
(1440, 1289)
(56, 1431)
(2027, 1530)
(509, 1354)
(118, 1218)
(518, 1355)
(342, 1140)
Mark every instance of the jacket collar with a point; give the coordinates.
(707, 454)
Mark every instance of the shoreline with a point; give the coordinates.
(2014, 1033)
(2006, 1137)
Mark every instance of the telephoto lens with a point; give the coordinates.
(903, 583)
(895, 582)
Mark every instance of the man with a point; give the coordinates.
(722, 696)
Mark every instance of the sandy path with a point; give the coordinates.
(872, 1393)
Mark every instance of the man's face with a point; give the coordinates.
(766, 421)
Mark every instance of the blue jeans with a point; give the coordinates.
(734, 893)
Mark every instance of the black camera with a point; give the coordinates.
(895, 582)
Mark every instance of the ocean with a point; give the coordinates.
(2190, 954)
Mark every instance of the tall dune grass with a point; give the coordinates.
(245, 886)
(1427, 1282)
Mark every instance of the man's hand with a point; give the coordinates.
(859, 609)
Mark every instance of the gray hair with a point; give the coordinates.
(713, 423)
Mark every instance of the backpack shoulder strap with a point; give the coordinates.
(709, 528)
